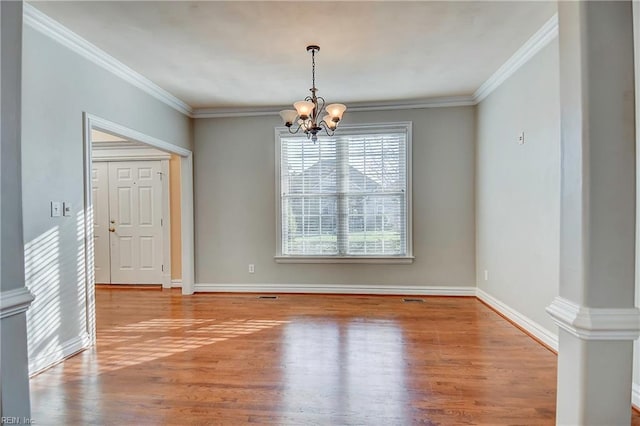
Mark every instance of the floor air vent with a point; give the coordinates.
(412, 300)
(267, 297)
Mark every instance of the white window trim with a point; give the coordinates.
(345, 129)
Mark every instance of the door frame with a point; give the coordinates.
(116, 154)
(91, 121)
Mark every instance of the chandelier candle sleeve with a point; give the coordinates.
(329, 122)
(289, 116)
(336, 111)
(307, 112)
(304, 108)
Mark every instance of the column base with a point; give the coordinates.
(595, 363)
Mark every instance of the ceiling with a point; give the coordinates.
(252, 54)
(98, 136)
(101, 141)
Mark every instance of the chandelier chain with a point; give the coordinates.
(313, 68)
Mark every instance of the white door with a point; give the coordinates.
(135, 212)
(100, 191)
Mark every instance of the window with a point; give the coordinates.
(346, 197)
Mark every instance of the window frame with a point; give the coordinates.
(347, 129)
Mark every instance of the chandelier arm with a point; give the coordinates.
(317, 107)
(295, 131)
(311, 99)
(320, 107)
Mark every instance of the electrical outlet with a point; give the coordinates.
(66, 208)
(486, 275)
(521, 139)
(252, 268)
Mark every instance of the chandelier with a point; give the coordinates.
(307, 112)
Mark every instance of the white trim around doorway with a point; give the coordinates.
(186, 204)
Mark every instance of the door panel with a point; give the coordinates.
(147, 248)
(145, 212)
(124, 202)
(100, 201)
(136, 208)
(125, 253)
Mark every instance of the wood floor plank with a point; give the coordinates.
(230, 359)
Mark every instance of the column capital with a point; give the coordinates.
(595, 323)
(16, 301)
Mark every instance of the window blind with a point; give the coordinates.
(344, 195)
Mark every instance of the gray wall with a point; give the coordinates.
(518, 188)
(58, 85)
(235, 204)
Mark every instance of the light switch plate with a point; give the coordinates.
(66, 209)
(56, 209)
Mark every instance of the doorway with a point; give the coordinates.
(185, 198)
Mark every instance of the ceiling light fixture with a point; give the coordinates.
(306, 112)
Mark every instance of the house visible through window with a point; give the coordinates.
(346, 195)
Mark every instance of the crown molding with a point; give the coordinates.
(539, 40)
(221, 112)
(58, 32)
(595, 323)
(449, 101)
(439, 102)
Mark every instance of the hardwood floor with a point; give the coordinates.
(164, 359)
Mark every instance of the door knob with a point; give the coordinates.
(112, 229)
(112, 221)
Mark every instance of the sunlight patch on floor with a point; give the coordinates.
(146, 341)
(158, 325)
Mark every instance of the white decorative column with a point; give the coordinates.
(15, 298)
(595, 310)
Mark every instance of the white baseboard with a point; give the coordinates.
(339, 289)
(536, 330)
(62, 352)
(176, 283)
(532, 327)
